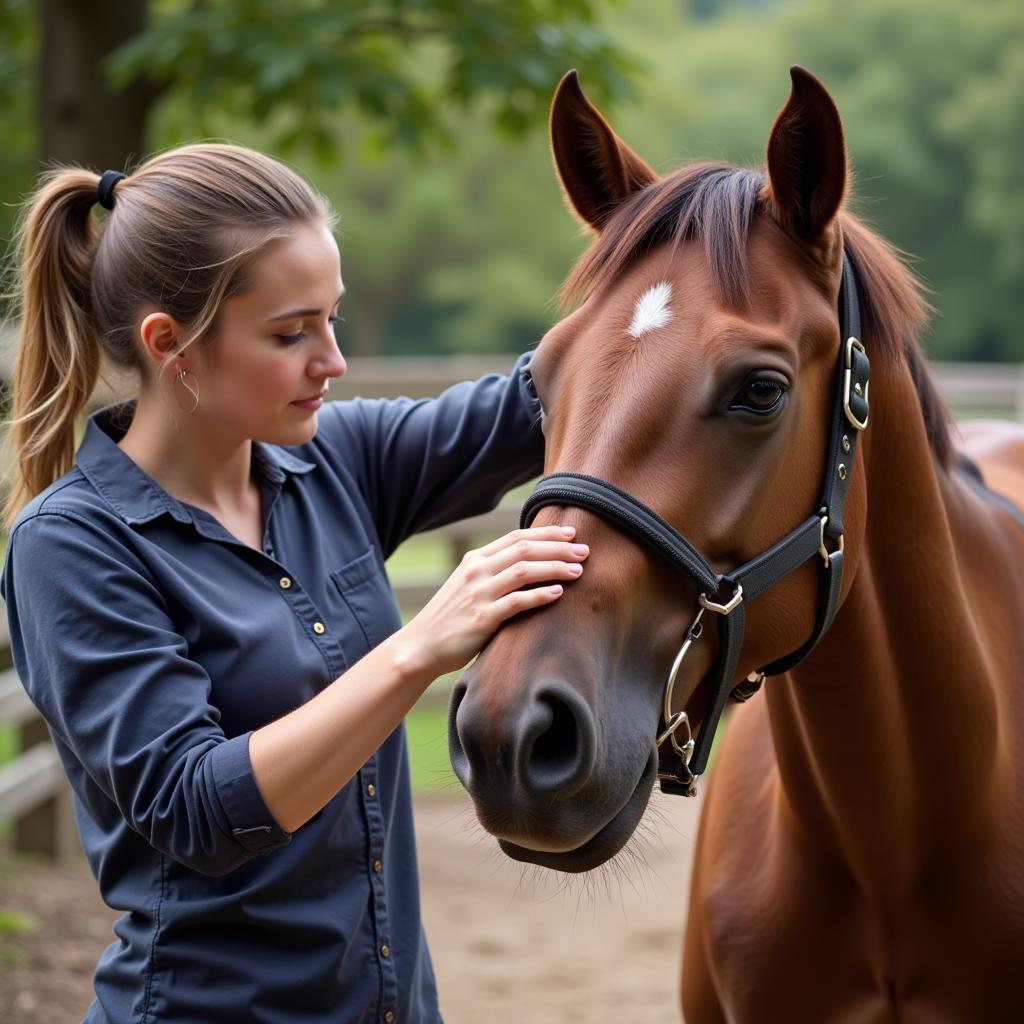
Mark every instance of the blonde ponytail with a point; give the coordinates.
(58, 355)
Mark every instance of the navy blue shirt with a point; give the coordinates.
(153, 642)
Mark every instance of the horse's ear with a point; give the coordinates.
(597, 169)
(806, 160)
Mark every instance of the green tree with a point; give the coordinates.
(932, 98)
(100, 67)
(404, 65)
(462, 247)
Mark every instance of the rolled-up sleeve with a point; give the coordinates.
(96, 648)
(429, 462)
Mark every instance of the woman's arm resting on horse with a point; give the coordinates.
(421, 464)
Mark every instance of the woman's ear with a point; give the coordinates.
(160, 336)
(596, 168)
(806, 161)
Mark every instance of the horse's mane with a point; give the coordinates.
(715, 205)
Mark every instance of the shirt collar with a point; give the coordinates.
(134, 495)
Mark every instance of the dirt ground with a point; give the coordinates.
(510, 946)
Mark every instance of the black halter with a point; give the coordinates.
(728, 594)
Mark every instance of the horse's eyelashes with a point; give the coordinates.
(763, 393)
(760, 394)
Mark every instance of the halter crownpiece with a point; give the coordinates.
(105, 188)
(727, 595)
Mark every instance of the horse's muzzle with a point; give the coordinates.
(537, 753)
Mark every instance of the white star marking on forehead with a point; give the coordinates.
(651, 309)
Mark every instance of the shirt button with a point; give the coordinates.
(318, 628)
(385, 951)
(389, 1017)
(378, 867)
(371, 790)
(284, 583)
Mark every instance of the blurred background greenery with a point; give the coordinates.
(424, 122)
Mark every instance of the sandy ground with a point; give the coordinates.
(510, 945)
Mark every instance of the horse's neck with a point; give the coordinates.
(886, 736)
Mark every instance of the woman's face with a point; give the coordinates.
(276, 344)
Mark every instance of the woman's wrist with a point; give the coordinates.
(409, 659)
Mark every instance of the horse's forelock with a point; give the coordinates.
(715, 206)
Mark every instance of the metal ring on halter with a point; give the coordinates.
(674, 721)
(686, 750)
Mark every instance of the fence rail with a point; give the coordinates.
(34, 795)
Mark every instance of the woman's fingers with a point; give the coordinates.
(523, 600)
(531, 533)
(526, 551)
(522, 574)
(512, 574)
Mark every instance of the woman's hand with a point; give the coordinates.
(486, 589)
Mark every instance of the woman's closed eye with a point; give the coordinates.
(292, 339)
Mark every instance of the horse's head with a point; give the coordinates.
(697, 375)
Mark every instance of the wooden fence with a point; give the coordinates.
(34, 796)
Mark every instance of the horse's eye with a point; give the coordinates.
(531, 387)
(760, 395)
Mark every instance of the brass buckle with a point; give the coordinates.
(822, 550)
(851, 344)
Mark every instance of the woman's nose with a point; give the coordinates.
(332, 365)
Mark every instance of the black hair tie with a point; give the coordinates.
(105, 188)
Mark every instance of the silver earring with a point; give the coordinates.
(193, 391)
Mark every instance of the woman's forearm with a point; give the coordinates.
(301, 760)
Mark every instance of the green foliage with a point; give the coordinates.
(932, 96)
(9, 744)
(13, 923)
(462, 246)
(426, 731)
(17, 67)
(935, 146)
(317, 58)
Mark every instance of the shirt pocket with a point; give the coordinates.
(368, 597)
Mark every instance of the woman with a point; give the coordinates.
(198, 606)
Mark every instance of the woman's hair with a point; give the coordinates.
(184, 229)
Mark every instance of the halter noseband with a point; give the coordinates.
(727, 595)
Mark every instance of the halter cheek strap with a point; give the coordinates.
(821, 534)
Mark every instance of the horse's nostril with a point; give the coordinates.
(456, 751)
(557, 743)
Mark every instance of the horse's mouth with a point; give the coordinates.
(602, 846)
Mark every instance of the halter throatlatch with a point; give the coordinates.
(821, 534)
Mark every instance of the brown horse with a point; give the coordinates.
(861, 851)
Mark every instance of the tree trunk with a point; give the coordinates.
(80, 120)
